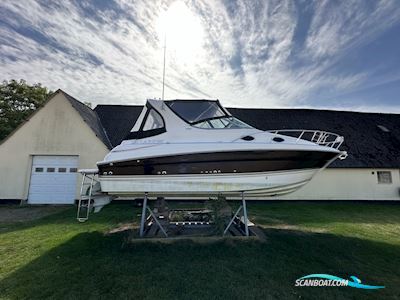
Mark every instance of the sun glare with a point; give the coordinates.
(183, 32)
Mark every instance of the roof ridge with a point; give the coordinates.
(118, 105)
(270, 108)
(100, 132)
(314, 109)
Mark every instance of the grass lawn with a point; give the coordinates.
(56, 257)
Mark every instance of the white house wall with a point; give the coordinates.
(348, 184)
(56, 129)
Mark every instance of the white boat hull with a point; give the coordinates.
(258, 185)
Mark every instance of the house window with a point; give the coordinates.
(384, 177)
(62, 170)
(39, 170)
(51, 170)
(73, 170)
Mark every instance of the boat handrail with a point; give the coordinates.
(320, 137)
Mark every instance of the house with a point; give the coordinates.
(39, 160)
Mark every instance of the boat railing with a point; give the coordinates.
(323, 138)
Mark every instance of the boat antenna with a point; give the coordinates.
(163, 77)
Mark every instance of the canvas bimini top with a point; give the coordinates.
(158, 116)
(195, 111)
(205, 114)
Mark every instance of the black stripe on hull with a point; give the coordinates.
(220, 162)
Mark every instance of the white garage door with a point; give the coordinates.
(53, 179)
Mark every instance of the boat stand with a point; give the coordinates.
(245, 219)
(151, 216)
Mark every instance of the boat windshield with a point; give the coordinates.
(194, 111)
(205, 114)
(224, 122)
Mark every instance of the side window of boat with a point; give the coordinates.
(153, 121)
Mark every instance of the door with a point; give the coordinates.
(53, 179)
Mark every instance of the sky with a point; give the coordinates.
(333, 54)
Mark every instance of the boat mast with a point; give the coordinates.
(163, 78)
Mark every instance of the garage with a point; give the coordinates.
(53, 179)
(39, 159)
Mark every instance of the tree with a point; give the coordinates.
(18, 101)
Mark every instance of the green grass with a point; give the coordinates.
(56, 257)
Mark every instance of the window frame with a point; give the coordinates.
(221, 128)
(226, 113)
(379, 177)
(140, 134)
(148, 114)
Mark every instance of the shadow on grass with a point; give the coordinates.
(285, 212)
(92, 265)
(298, 212)
(111, 214)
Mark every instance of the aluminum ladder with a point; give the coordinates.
(89, 179)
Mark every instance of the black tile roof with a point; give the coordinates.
(91, 118)
(367, 145)
(118, 120)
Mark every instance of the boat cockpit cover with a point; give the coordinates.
(195, 111)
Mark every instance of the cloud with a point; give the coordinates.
(339, 26)
(246, 53)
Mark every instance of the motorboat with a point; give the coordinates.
(196, 148)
